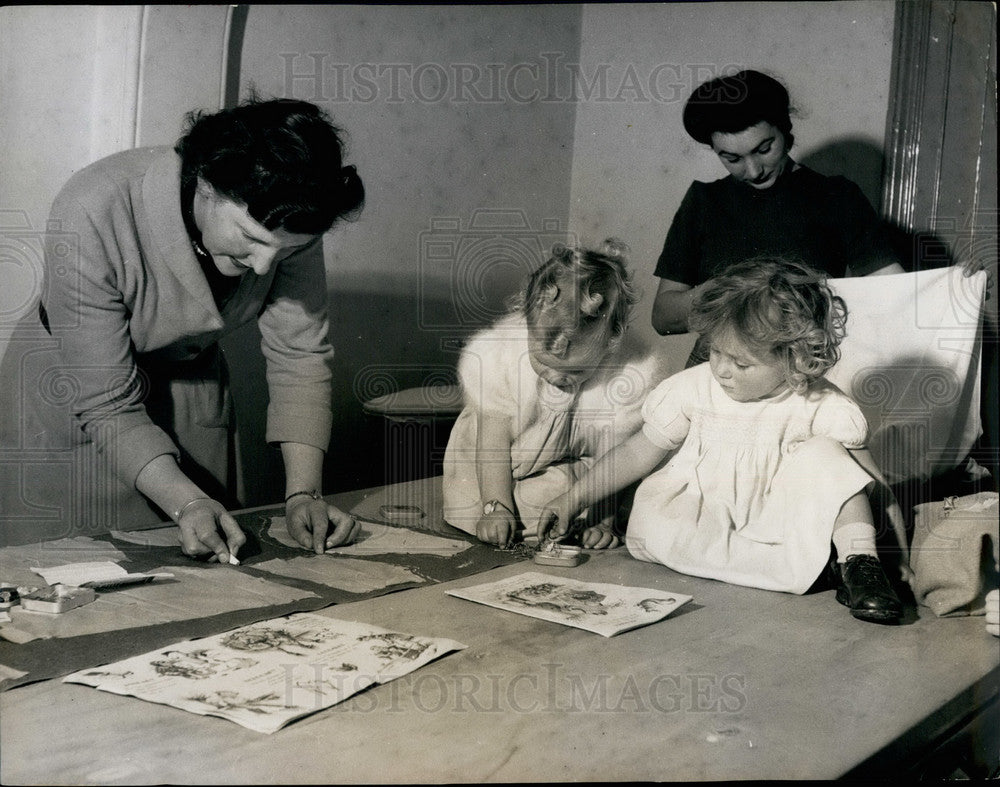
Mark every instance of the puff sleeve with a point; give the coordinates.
(665, 412)
(840, 419)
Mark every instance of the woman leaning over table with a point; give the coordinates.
(767, 205)
(159, 253)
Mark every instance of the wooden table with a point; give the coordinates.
(738, 684)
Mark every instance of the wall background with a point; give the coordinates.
(483, 135)
(632, 159)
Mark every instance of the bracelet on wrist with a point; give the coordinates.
(180, 511)
(310, 492)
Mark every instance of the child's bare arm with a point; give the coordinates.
(496, 482)
(884, 500)
(636, 458)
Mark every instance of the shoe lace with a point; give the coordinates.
(866, 568)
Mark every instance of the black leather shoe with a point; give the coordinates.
(866, 590)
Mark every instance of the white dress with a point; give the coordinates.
(751, 493)
(558, 435)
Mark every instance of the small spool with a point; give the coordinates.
(9, 595)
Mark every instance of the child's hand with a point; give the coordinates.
(993, 612)
(555, 519)
(497, 528)
(601, 535)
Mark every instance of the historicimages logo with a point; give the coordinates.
(551, 688)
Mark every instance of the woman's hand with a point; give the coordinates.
(317, 525)
(200, 522)
(498, 528)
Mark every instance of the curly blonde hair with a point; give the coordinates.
(778, 306)
(584, 294)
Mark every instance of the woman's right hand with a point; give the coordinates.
(200, 522)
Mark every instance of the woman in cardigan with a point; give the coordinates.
(115, 405)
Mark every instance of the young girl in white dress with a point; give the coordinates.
(548, 389)
(766, 460)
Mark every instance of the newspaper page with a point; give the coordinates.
(602, 608)
(265, 675)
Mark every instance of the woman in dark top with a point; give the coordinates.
(767, 205)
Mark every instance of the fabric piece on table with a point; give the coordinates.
(379, 539)
(157, 537)
(8, 673)
(196, 593)
(354, 576)
(16, 562)
(425, 494)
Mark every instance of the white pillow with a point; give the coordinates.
(911, 360)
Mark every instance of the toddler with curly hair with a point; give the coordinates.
(549, 388)
(753, 463)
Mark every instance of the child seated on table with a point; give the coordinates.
(548, 389)
(766, 459)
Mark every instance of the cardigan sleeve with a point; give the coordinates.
(84, 309)
(294, 326)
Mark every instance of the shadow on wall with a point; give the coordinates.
(382, 344)
(856, 159)
(860, 161)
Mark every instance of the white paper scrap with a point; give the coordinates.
(101, 574)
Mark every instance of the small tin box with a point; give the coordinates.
(57, 598)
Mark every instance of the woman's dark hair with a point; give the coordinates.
(282, 158)
(734, 103)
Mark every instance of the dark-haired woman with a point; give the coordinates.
(767, 205)
(114, 402)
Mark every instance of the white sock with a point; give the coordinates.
(854, 538)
